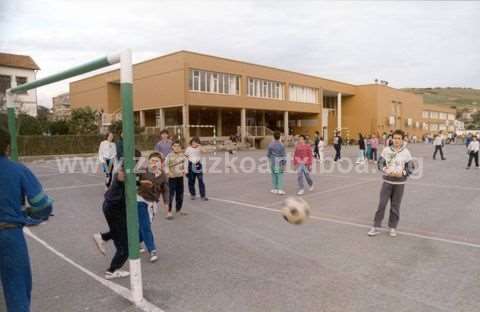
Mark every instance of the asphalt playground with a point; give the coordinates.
(236, 253)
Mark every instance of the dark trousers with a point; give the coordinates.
(176, 190)
(315, 151)
(438, 148)
(472, 156)
(15, 272)
(194, 173)
(338, 150)
(394, 194)
(374, 154)
(118, 233)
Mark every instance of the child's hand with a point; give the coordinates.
(121, 175)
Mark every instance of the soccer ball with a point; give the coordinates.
(295, 210)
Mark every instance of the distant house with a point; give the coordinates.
(61, 106)
(14, 71)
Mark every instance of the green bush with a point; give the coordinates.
(36, 145)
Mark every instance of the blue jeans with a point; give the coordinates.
(195, 171)
(15, 272)
(302, 171)
(146, 234)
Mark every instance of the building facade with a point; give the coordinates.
(191, 89)
(14, 71)
(61, 107)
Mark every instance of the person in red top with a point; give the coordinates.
(302, 160)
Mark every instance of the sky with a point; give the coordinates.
(409, 44)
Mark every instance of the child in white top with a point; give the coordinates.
(321, 148)
(472, 150)
(107, 153)
(195, 170)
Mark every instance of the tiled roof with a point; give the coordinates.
(17, 61)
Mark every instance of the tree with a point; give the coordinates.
(58, 127)
(116, 128)
(83, 121)
(28, 125)
(476, 118)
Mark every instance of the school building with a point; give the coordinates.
(185, 90)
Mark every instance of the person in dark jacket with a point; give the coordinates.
(361, 147)
(315, 145)
(114, 210)
(337, 144)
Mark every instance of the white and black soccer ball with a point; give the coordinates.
(296, 210)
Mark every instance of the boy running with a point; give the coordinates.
(396, 165)
(175, 167)
(153, 184)
(277, 156)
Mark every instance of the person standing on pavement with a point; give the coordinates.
(337, 145)
(17, 182)
(396, 165)
(164, 146)
(472, 150)
(438, 144)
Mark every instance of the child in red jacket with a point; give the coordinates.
(302, 160)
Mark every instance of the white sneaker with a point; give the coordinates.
(393, 233)
(116, 274)
(373, 232)
(281, 192)
(301, 192)
(97, 237)
(153, 256)
(274, 191)
(311, 188)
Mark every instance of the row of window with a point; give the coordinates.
(438, 115)
(229, 84)
(265, 89)
(302, 94)
(437, 127)
(6, 83)
(212, 82)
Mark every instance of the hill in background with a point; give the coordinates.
(458, 97)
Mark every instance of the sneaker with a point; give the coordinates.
(153, 256)
(116, 274)
(183, 213)
(373, 232)
(477, 167)
(311, 188)
(301, 192)
(169, 216)
(281, 192)
(204, 198)
(468, 168)
(192, 197)
(274, 191)
(97, 237)
(142, 250)
(393, 233)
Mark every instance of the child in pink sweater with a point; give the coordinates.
(302, 160)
